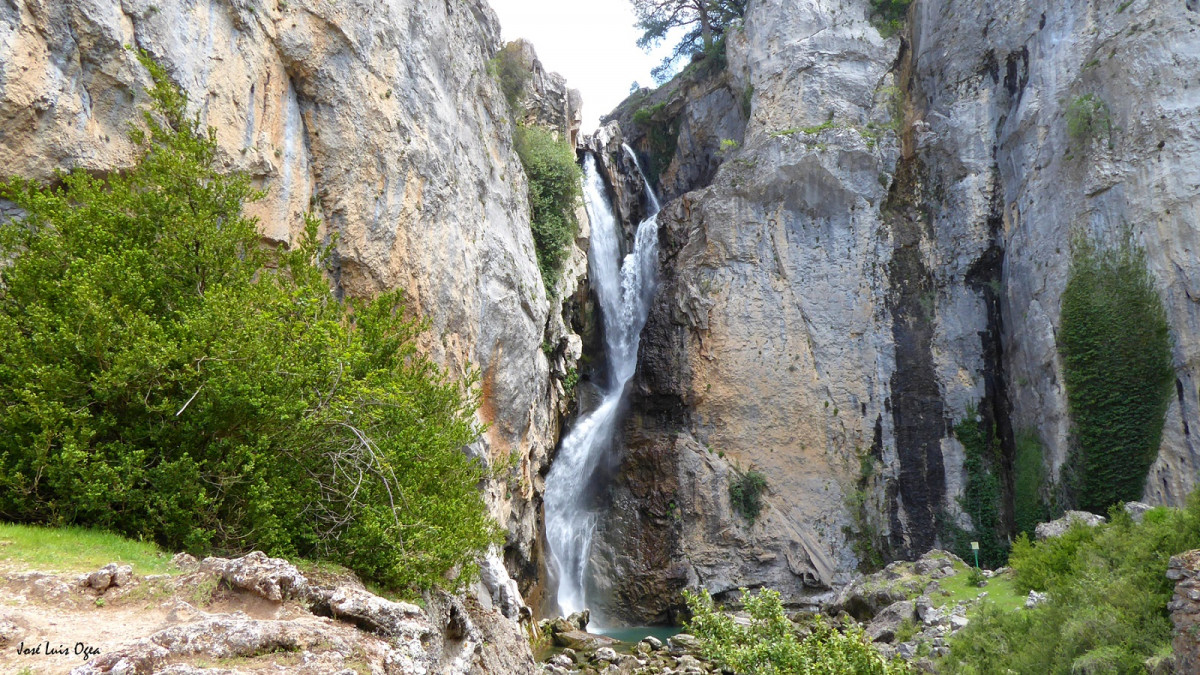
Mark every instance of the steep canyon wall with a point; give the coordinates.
(383, 119)
(881, 252)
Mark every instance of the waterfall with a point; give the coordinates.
(624, 293)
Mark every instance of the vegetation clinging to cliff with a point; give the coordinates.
(981, 495)
(1029, 473)
(554, 186)
(167, 377)
(511, 71)
(888, 15)
(1107, 594)
(1117, 367)
(745, 494)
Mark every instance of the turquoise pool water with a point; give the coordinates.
(634, 634)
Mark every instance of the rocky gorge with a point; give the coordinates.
(864, 242)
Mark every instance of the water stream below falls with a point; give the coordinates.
(625, 290)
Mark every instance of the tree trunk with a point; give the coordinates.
(705, 26)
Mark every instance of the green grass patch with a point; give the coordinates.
(1002, 591)
(77, 549)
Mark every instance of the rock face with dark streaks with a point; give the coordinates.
(878, 254)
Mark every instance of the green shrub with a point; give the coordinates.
(512, 72)
(981, 495)
(662, 134)
(745, 494)
(747, 101)
(888, 15)
(554, 185)
(1117, 367)
(1107, 594)
(1088, 118)
(770, 643)
(167, 377)
(1029, 473)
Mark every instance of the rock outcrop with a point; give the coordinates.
(1059, 527)
(253, 614)
(383, 119)
(991, 98)
(880, 253)
(1184, 570)
(764, 351)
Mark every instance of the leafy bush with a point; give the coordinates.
(1117, 367)
(1088, 118)
(167, 377)
(1107, 595)
(888, 15)
(1029, 473)
(745, 494)
(770, 643)
(747, 101)
(981, 496)
(554, 185)
(512, 72)
(662, 133)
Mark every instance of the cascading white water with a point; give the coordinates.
(625, 293)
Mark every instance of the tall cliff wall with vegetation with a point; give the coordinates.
(387, 123)
(927, 278)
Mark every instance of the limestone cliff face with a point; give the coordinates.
(884, 250)
(767, 348)
(380, 117)
(994, 88)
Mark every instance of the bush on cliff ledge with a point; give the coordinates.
(166, 376)
(554, 185)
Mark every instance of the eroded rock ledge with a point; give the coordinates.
(251, 614)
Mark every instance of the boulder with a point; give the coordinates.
(185, 562)
(111, 574)
(1056, 528)
(683, 643)
(370, 612)
(1137, 510)
(1034, 599)
(580, 620)
(582, 641)
(272, 578)
(606, 654)
(883, 627)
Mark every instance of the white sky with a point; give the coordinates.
(592, 43)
